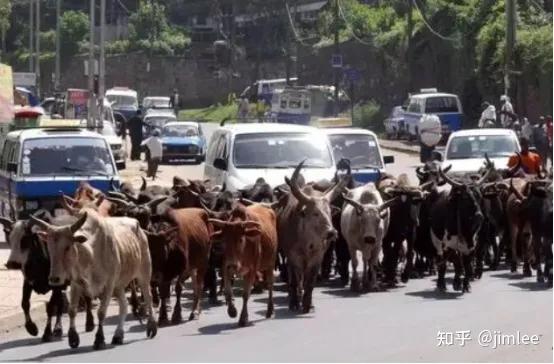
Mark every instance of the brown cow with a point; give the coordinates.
(194, 239)
(250, 246)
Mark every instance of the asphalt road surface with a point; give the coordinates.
(497, 322)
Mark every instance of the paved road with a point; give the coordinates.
(401, 324)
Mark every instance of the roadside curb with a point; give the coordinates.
(17, 319)
(399, 147)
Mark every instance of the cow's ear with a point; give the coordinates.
(383, 213)
(42, 236)
(80, 239)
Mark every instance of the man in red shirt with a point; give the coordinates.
(531, 162)
(549, 135)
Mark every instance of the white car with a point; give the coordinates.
(116, 144)
(238, 154)
(465, 149)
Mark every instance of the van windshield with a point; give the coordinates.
(122, 100)
(466, 147)
(281, 150)
(66, 156)
(441, 104)
(360, 150)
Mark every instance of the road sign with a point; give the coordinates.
(25, 79)
(336, 60)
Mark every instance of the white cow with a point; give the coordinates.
(101, 256)
(364, 223)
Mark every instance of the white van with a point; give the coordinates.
(238, 154)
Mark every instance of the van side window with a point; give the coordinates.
(441, 104)
(414, 106)
(213, 144)
(221, 150)
(6, 154)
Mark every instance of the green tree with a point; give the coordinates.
(5, 12)
(74, 29)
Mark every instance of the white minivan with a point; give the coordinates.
(238, 154)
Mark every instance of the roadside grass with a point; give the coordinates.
(214, 113)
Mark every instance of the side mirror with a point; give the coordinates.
(437, 156)
(388, 159)
(12, 167)
(220, 163)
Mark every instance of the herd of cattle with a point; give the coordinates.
(145, 240)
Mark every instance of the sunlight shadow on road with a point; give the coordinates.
(435, 294)
(30, 341)
(530, 286)
(220, 329)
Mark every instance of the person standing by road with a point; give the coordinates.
(507, 115)
(540, 140)
(154, 145)
(549, 136)
(531, 162)
(135, 132)
(488, 116)
(174, 102)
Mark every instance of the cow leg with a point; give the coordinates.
(144, 284)
(211, 282)
(134, 300)
(355, 280)
(538, 258)
(30, 326)
(74, 297)
(408, 269)
(547, 246)
(457, 260)
(164, 296)
(198, 286)
(514, 235)
(309, 282)
(155, 294)
(365, 272)
(269, 283)
(89, 324)
(50, 307)
(294, 296)
(60, 301)
(441, 267)
(525, 246)
(229, 299)
(343, 260)
(99, 340)
(372, 271)
(468, 273)
(327, 263)
(176, 317)
(118, 335)
(248, 282)
(283, 267)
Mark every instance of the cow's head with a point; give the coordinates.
(314, 207)
(234, 234)
(370, 216)
(160, 242)
(61, 242)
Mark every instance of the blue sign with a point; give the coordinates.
(336, 60)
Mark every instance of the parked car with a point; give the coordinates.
(183, 140)
(394, 124)
(238, 154)
(155, 102)
(465, 149)
(123, 100)
(156, 119)
(446, 106)
(362, 149)
(116, 144)
(40, 163)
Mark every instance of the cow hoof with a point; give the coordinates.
(99, 345)
(457, 285)
(176, 318)
(89, 325)
(527, 272)
(73, 338)
(405, 277)
(117, 338)
(243, 320)
(213, 300)
(540, 279)
(47, 336)
(257, 289)
(269, 312)
(307, 308)
(58, 332)
(355, 285)
(155, 302)
(151, 329)
(163, 321)
(441, 287)
(232, 311)
(513, 267)
(467, 288)
(31, 328)
(193, 316)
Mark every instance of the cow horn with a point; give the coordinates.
(112, 185)
(336, 190)
(449, 180)
(426, 185)
(246, 202)
(6, 222)
(43, 224)
(419, 173)
(143, 186)
(516, 192)
(487, 160)
(481, 180)
(79, 223)
(155, 202)
(358, 206)
(297, 193)
(512, 171)
(119, 201)
(99, 200)
(67, 206)
(388, 203)
(119, 195)
(217, 222)
(251, 224)
(447, 169)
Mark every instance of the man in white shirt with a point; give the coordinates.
(506, 112)
(154, 144)
(488, 116)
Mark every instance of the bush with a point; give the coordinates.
(369, 115)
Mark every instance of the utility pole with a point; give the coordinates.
(102, 65)
(510, 43)
(58, 43)
(37, 37)
(337, 52)
(92, 104)
(31, 38)
(231, 47)
(410, 30)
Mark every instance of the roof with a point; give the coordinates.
(157, 98)
(254, 128)
(432, 94)
(51, 133)
(121, 91)
(191, 123)
(352, 131)
(160, 112)
(483, 132)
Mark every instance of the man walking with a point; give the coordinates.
(507, 115)
(154, 145)
(135, 132)
(488, 116)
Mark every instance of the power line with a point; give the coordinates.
(429, 26)
(296, 37)
(350, 28)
